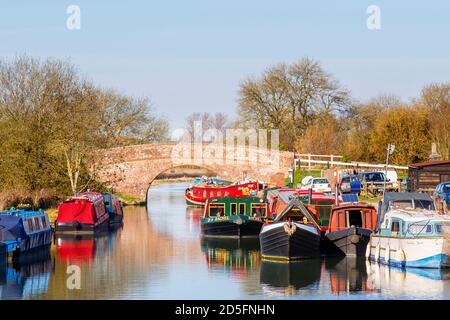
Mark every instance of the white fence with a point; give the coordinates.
(308, 159)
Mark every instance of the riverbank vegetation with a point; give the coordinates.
(316, 114)
(52, 119)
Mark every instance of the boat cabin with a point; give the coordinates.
(296, 211)
(226, 207)
(319, 204)
(403, 201)
(413, 224)
(353, 215)
(86, 207)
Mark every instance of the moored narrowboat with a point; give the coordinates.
(294, 234)
(318, 203)
(350, 228)
(114, 208)
(84, 213)
(24, 231)
(233, 217)
(198, 194)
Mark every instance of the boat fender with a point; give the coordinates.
(290, 228)
(387, 252)
(400, 256)
(377, 253)
(354, 239)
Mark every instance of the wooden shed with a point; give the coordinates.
(425, 176)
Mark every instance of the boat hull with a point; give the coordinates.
(240, 228)
(76, 227)
(350, 241)
(278, 241)
(419, 252)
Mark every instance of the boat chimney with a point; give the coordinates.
(309, 196)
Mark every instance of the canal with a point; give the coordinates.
(158, 254)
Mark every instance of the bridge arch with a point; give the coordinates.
(130, 170)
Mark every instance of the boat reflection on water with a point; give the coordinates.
(348, 275)
(193, 215)
(81, 249)
(236, 256)
(28, 279)
(402, 283)
(286, 278)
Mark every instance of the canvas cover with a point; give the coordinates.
(11, 228)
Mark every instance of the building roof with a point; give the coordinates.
(429, 163)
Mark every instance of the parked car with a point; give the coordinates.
(443, 192)
(350, 184)
(377, 178)
(392, 177)
(317, 184)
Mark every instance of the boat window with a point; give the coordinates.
(30, 225)
(355, 218)
(401, 204)
(258, 210)
(395, 226)
(233, 210)
(241, 208)
(216, 209)
(37, 223)
(44, 222)
(420, 229)
(438, 228)
(424, 204)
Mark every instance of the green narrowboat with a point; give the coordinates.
(233, 217)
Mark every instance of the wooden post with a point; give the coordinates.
(309, 161)
(332, 159)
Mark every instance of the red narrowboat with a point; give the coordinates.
(198, 194)
(84, 213)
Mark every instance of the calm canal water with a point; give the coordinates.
(158, 254)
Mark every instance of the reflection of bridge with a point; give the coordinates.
(131, 169)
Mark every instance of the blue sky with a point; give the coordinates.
(191, 55)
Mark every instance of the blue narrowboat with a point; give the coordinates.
(23, 231)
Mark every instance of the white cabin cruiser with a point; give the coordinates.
(410, 233)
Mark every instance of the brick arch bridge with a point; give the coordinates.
(130, 170)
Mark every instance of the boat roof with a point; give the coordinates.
(359, 205)
(91, 196)
(21, 213)
(236, 199)
(287, 194)
(416, 215)
(296, 203)
(394, 196)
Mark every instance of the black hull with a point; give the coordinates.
(229, 229)
(79, 228)
(277, 244)
(351, 241)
